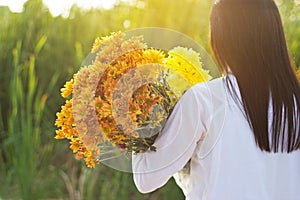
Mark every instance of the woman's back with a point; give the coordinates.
(235, 168)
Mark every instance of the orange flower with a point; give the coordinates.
(75, 145)
(105, 86)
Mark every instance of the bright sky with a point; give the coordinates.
(57, 7)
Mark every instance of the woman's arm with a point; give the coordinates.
(176, 144)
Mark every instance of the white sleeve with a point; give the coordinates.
(176, 144)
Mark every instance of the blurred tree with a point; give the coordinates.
(290, 12)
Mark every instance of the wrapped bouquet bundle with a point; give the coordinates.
(118, 102)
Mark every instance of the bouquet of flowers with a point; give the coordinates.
(124, 95)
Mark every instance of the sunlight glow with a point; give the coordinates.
(60, 7)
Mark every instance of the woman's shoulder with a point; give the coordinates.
(217, 83)
(213, 89)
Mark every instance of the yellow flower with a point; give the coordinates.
(90, 162)
(96, 45)
(67, 89)
(186, 61)
(94, 86)
(59, 135)
(75, 144)
(186, 67)
(59, 120)
(153, 56)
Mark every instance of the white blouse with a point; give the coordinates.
(209, 129)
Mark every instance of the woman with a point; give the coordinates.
(244, 142)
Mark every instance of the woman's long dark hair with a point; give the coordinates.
(247, 38)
